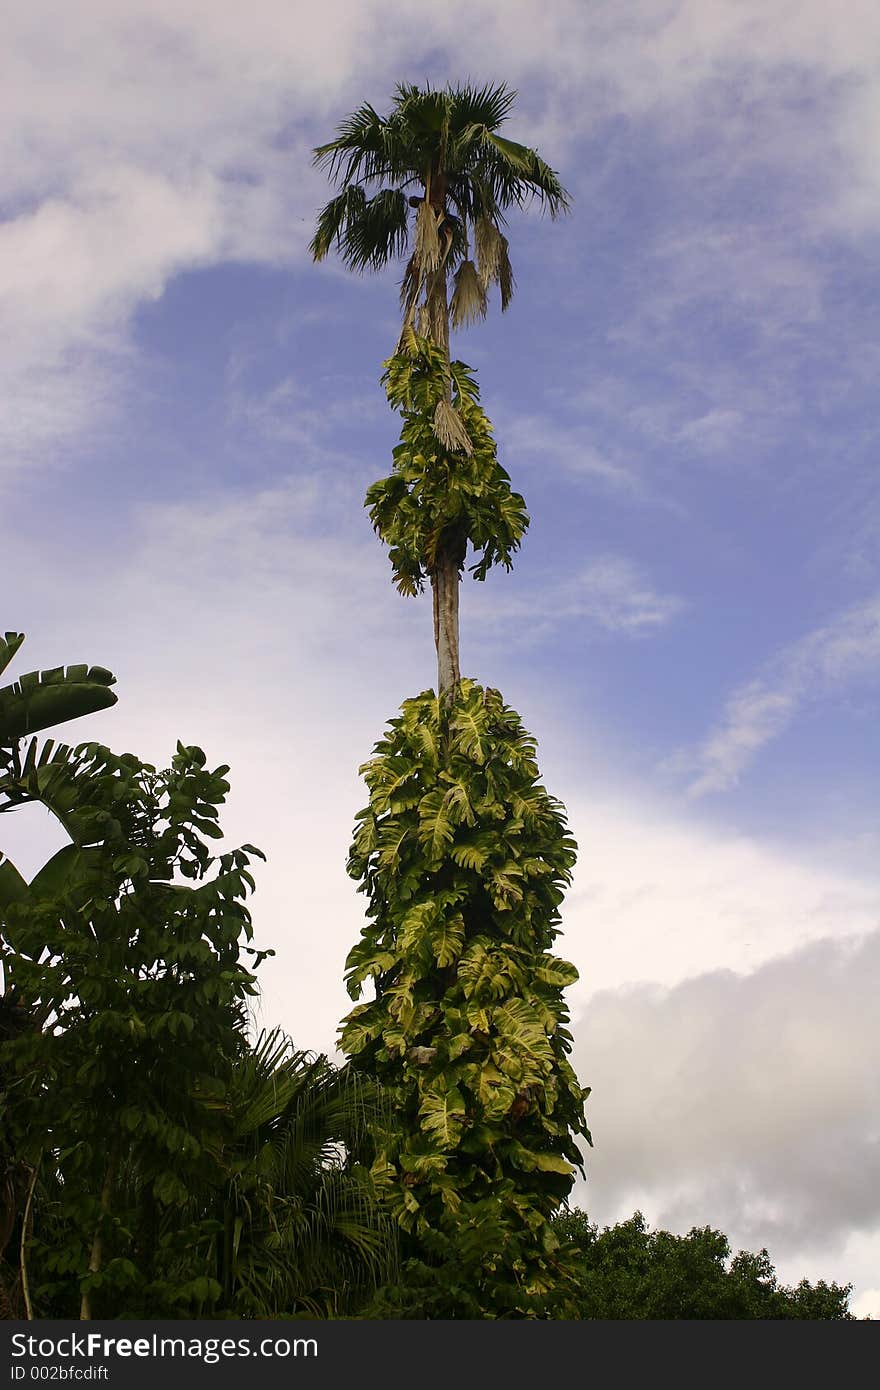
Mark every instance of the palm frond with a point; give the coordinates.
(487, 242)
(367, 232)
(489, 105)
(410, 286)
(506, 282)
(449, 428)
(358, 148)
(522, 175)
(427, 240)
(333, 219)
(435, 305)
(493, 259)
(468, 303)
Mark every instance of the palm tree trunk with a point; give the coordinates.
(445, 583)
(96, 1255)
(446, 574)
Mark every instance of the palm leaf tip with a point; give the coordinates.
(493, 259)
(468, 303)
(487, 240)
(506, 282)
(409, 287)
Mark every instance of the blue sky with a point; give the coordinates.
(684, 390)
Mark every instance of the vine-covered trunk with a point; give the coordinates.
(446, 575)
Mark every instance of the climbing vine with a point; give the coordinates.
(464, 857)
(446, 484)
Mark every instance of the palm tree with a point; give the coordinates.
(444, 145)
(301, 1230)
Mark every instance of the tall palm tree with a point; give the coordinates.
(444, 144)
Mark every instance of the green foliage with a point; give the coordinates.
(286, 1223)
(174, 1169)
(628, 1271)
(464, 857)
(125, 954)
(40, 699)
(447, 138)
(437, 494)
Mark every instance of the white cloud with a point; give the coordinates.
(748, 1102)
(712, 431)
(866, 1304)
(611, 594)
(533, 440)
(816, 667)
(658, 896)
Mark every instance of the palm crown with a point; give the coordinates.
(446, 145)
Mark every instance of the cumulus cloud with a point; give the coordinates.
(744, 1101)
(817, 666)
(658, 896)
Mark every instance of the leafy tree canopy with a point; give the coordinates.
(447, 137)
(629, 1271)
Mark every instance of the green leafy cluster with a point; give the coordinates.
(464, 857)
(213, 1178)
(154, 1161)
(124, 954)
(40, 699)
(447, 136)
(442, 494)
(630, 1272)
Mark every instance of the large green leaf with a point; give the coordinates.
(447, 938)
(12, 885)
(69, 864)
(435, 826)
(43, 698)
(443, 1114)
(9, 645)
(557, 972)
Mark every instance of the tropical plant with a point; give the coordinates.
(154, 1161)
(446, 489)
(461, 851)
(125, 953)
(279, 1218)
(446, 145)
(299, 1229)
(42, 699)
(464, 857)
(36, 701)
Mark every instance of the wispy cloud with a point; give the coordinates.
(610, 594)
(535, 440)
(288, 412)
(816, 667)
